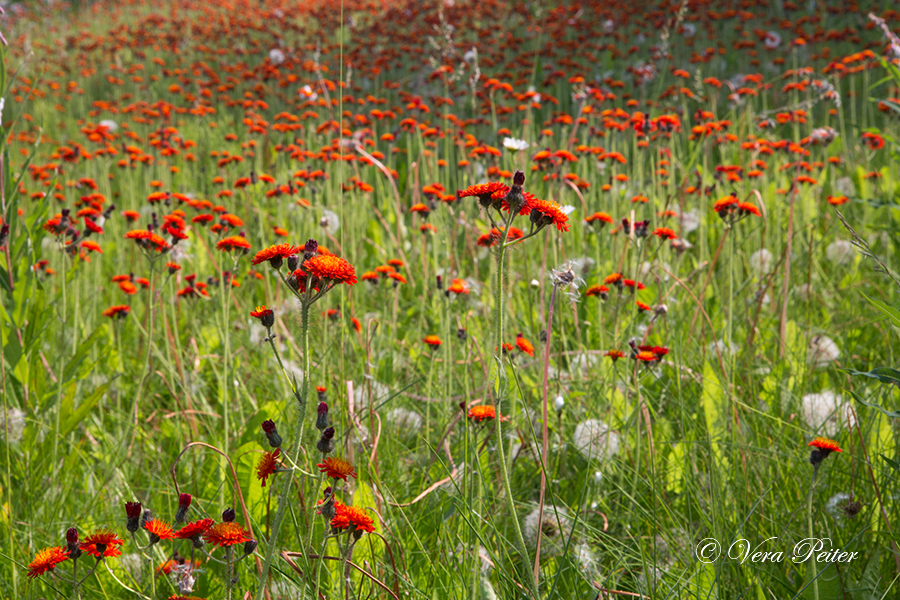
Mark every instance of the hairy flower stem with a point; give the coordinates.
(501, 391)
(283, 498)
(544, 440)
(229, 572)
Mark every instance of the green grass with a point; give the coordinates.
(709, 442)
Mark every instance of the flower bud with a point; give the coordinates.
(461, 334)
(293, 262)
(310, 249)
(327, 509)
(326, 443)
(146, 517)
(228, 515)
(250, 547)
(72, 543)
(322, 393)
(322, 419)
(271, 432)
(133, 512)
(184, 503)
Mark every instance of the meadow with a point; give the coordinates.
(366, 299)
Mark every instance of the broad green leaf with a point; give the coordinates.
(882, 374)
(891, 413)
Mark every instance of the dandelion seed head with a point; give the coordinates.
(595, 440)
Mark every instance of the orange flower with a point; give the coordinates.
(642, 307)
(614, 354)
(433, 341)
(747, 208)
(275, 254)
(101, 543)
(664, 233)
(265, 315)
(331, 268)
(193, 531)
(224, 534)
(524, 345)
(352, 518)
(647, 356)
(483, 191)
(267, 465)
(336, 468)
(159, 530)
(233, 243)
(458, 286)
(825, 444)
(548, 212)
(481, 412)
(46, 560)
(601, 291)
(120, 311)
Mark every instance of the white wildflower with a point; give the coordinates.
(514, 145)
(276, 56)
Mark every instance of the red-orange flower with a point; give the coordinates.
(614, 354)
(120, 311)
(224, 534)
(159, 530)
(234, 242)
(265, 315)
(458, 286)
(432, 340)
(823, 443)
(275, 254)
(101, 543)
(747, 208)
(336, 468)
(481, 412)
(331, 268)
(483, 191)
(524, 345)
(267, 465)
(546, 212)
(352, 518)
(46, 560)
(601, 291)
(193, 531)
(664, 233)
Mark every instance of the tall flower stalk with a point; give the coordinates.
(512, 200)
(311, 275)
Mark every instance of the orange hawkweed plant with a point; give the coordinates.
(502, 203)
(311, 273)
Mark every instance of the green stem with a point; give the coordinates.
(501, 392)
(229, 572)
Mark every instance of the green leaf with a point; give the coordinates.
(72, 421)
(882, 374)
(890, 413)
(892, 463)
(889, 311)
